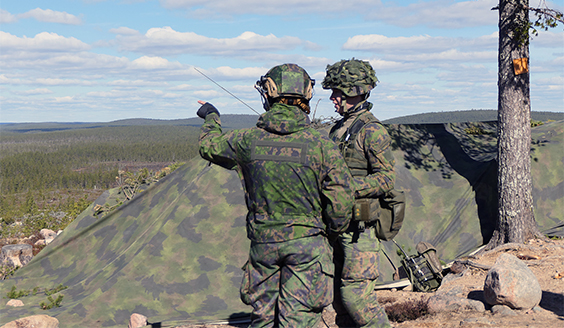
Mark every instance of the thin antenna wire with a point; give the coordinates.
(234, 96)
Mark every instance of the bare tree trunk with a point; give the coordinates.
(515, 222)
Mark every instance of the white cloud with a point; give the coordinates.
(151, 63)
(452, 55)
(247, 72)
(51, 16)
(32, 92)
(417, 44)
(273, 7)
(207, 94)
(65, 99)
(166, 41)
(6, 17)
(136, 83)
(124, 31)
(548, 39)
(437, 14)
(391, 65)
(42, 42)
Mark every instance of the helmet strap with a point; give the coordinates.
(344, 103)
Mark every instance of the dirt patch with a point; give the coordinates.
(544, 258)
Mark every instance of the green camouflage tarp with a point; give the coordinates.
(175, 251)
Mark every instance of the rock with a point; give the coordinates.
(48, 234)
(503, 310)
(16, 255)
(34, 321)
(510, 282)
(137, 320)
(473, 321)
(449, 303)
(40, 242)
(15, 303)
(451, 290)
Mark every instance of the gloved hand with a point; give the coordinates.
(206, 109)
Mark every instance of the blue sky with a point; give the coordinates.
(104, 60)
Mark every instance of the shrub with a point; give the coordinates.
(406, 311)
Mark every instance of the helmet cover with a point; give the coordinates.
(287, 80)
(353, 77)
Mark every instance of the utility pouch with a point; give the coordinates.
(423, 270)
(366, 209)
(385, 213)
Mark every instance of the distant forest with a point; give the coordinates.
(51, 156)
(87, 158)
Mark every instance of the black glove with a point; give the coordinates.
(206, 109)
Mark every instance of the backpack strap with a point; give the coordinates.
(356, 161)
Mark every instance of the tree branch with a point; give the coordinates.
(554, 14)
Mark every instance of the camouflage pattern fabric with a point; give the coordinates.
(289, 80)
(449, 174)
(356, 251)
(356, 272)
(372, 143)
(353, 77)
(288, 283)
(293, 178)
(174, 253)
(162, 254)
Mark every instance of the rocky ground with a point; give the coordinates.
(544, 258)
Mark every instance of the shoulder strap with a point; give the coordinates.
(355, 128)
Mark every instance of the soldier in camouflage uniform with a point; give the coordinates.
(365, 144)
(297, 190)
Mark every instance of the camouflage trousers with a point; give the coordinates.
(288, 283)
(356, 271)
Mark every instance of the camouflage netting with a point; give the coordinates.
(174, 252)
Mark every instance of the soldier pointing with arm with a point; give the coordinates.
(365, 145)
(297, 190)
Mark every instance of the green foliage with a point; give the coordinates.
(131, 183)
(15, 294)
(30, 207)
(546, 18)
(7, 271)
(536, 123)
(475, 130)
(55, 290)
(53, 210)
(52, 302)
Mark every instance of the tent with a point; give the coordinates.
(174, 253)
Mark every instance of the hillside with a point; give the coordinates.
(231, 121)
(228, 121)
(475, 115)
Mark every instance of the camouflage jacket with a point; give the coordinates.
(295, 180)
(373, 143)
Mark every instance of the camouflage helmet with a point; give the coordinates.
(287, 80)
(353, 77)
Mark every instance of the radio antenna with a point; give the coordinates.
(234, 96)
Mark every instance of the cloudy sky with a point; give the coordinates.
(104, 60)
